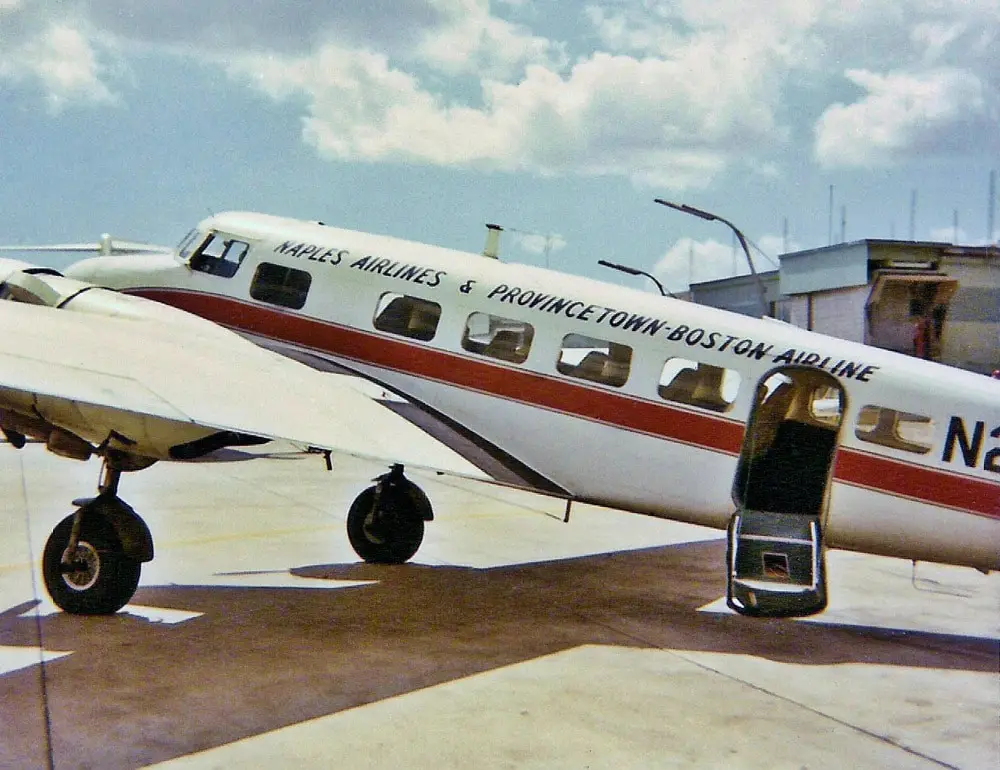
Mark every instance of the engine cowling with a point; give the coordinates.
(78, 430)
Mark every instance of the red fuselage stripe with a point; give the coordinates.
(593, 403)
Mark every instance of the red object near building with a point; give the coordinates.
(921, 338)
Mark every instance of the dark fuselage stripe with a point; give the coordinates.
(864, 469)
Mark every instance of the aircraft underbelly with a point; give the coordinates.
(645, 473)
(592, 460)
(873, 522)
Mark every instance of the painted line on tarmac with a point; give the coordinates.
(16, 658)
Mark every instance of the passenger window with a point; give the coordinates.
(219, 255)
(497, 337)
(407, 316)
(280, 285)
(892, 428)
(697, 384)
(595, 360)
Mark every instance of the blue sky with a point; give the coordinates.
(425, 119)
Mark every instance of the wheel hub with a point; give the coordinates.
(83, 568)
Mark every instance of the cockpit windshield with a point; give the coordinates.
(215, 253)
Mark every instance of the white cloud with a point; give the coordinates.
(58, 56)
(935, 38)
(609, 115)
(360, 108)
(538, 243)
(452, 36)
(949, 235)
(673, 95)
(220, 28)
(474, 41)
(962, 237)
(689, 261)
(904, 114)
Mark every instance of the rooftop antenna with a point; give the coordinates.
(549, 237)
(829, 220)
(991, 206)
(784, 235)
(843, 224)
(913, 215)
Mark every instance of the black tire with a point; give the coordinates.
(109, 579)
(390, 535)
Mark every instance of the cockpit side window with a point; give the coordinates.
(280, 285)
(219, 255)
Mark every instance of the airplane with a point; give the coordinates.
(792, 442)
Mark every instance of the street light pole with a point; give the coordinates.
(636, 271)
(708, 216)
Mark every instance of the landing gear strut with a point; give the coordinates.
(93, 557)
(385, 523)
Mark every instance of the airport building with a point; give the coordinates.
(933, 300)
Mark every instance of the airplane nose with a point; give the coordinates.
(83, 270)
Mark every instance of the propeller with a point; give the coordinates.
(106, 246)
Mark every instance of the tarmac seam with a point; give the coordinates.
(705, 667)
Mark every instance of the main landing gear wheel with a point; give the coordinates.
(92, 559)
(97, 577)
(385, 523)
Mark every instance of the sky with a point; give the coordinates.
(559, 120)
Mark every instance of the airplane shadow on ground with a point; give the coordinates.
(135, 692)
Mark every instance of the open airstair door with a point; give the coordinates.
(776, 565)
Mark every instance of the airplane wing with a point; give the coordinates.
(104, 246)
(155, 383)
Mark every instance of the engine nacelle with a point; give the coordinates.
(79, 429)
(42, 286)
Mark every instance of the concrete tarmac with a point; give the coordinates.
(257, 639)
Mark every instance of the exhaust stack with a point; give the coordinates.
(492, 247)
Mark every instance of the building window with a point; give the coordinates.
(697, 384)
(497, 337)
(280, 285)
(594, 359)
(407, 316)
(899, 430)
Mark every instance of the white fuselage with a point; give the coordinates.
(622, 444)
